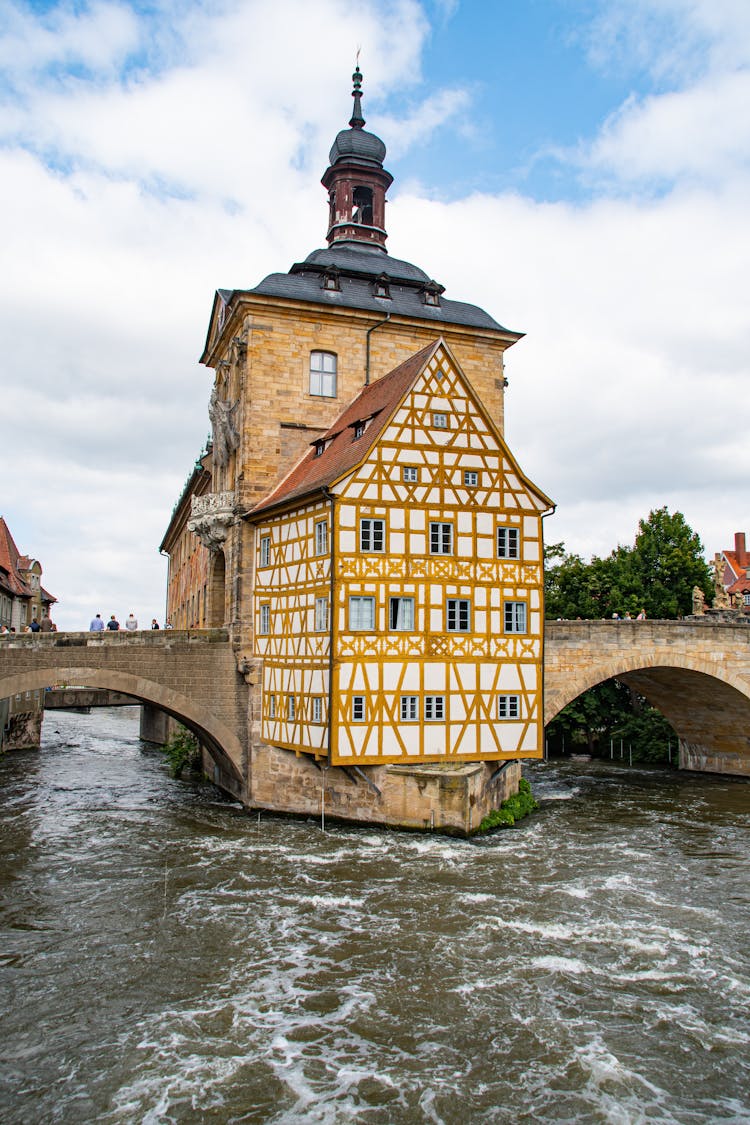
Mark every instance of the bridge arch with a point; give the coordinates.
(697, 674)
(223, 744)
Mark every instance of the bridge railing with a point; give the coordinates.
(153, 638)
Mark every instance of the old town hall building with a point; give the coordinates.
(365, 533)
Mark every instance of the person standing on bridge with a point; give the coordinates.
(97, 625)
(113, 624)
(131, 623)
(154, 623)
(45, 624)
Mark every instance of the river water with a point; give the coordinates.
(167, 958)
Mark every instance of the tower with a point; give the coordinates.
(298, 362)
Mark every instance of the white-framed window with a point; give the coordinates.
(265, 550)
(361, 613)
(508, 543)
(401, 614)
(272, 706)
(317, 709)
(290, 708)
(441, 538)
(434, 708)
(323, 374)
(746, 598)
(409, 708)
(264, 626)
(359, 709)
(359, 429)
(471, 478)
(509, 706)
(371, 535)
(515, 617)
(458, 615)
(321, 615)
(321, 537)
(439, 421)
(410, 474)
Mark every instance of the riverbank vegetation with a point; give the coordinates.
(515, 808)
(655, 577)
(182, 751)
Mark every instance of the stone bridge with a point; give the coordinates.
(190, 674)
(695, 671)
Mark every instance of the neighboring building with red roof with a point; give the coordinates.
(736, 578)
(23, 599)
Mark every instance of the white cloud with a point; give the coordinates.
(186, 155)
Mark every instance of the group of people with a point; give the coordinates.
(113, 625)
(627, 617)
(45, 625)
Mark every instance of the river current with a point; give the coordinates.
(166, 957)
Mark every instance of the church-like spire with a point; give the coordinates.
(357, 181)
(357, 120)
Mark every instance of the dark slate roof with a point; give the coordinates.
(358, 268)
(342, 452)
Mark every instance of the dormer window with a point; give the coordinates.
(359, 429)
(319, 448)
(431, 293)
(331, 280)
(382, 286)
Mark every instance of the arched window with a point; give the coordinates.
(362, 200)
(323, 374)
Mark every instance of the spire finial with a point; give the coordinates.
(357, 120)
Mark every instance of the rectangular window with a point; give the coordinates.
(441, 538)
(372, 535)
(434, 708)
(508, 706)
(440, 421)
(515, 617)
(458, 615)
(409, 708)
(321, 615)
(471, 479)
(265, 550)
(321, 538)
(265, 619)
(359, 710)
(290, 708)
(507, 543)
(401, 614)
(272, 706)
(362, 613)
(323, 374)
(317, 715)
(410, 474)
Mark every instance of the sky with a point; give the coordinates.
(578, 168)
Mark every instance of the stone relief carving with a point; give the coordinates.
(211, 516)
(225, 435)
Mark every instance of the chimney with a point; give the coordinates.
(739, 548)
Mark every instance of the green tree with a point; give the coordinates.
(667, 562)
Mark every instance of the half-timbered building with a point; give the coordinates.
(399, 585)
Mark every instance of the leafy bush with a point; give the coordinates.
(182, 750)
(515, 808)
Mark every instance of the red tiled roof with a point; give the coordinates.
(9, 559)
(342, 452)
